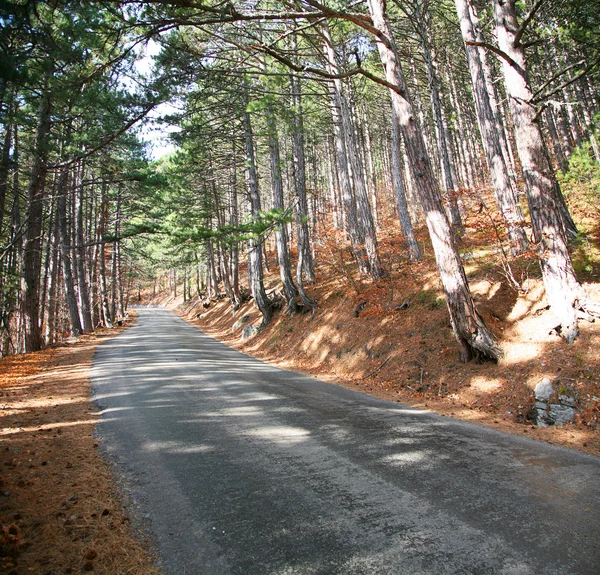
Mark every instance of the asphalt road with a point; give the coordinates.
(240, 468)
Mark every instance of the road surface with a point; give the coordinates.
(237, 467)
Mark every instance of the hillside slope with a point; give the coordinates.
(393, 339)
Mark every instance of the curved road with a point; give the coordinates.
(242, 468)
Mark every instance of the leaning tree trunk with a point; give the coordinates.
(491, 130)
(255, 259)
(474, 338)
(565, 296)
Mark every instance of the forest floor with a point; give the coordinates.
(358, 338)
(60, 510)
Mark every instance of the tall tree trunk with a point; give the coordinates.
(474, 338)
(490, 128)
(234, 220)
(32, 251)
(400, 191)
(281, 236)
(565, 295)
(81, 255)
(370, 164)
(53, 279)
(424, 27)
(305, 268)
(102, 224)
(4, 171)
(255, 257)
(66, 253)
(366, 226)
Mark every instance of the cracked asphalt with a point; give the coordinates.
(237, 467)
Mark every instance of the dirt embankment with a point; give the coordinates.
(409, 355)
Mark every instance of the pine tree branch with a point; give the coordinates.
(526, 21)
(327, 75)
(538, 97)
(107, 140)
(498, 52)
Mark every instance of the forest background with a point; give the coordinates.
(428, 161)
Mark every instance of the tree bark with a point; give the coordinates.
(81, 256)
(423, 26)
(4, 171)
(66, 252)
(102, 223)
(367, 234)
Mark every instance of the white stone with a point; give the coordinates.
(543, 390)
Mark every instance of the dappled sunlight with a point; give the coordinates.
(520, 352)
(314, 343)
(281, 435)
(175, 447)
(46, 427)
(408, 458)
(103, 396)
(485, 384)
(243, 411)
(530, 302)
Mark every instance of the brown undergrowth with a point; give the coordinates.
(393, 339)
(59, 508)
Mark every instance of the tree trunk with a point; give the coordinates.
(474, 338)
(235, 252)
(423, 25)
(364, 218)
(565, 295)
(81, 256)
(102, 221)
(32, 251)
(370, 164)
(53, 279)
(255, 258)
(490, 128)
(66, 252)
(305, 268)
(4, 171)
(281, 235)
(400, 191)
